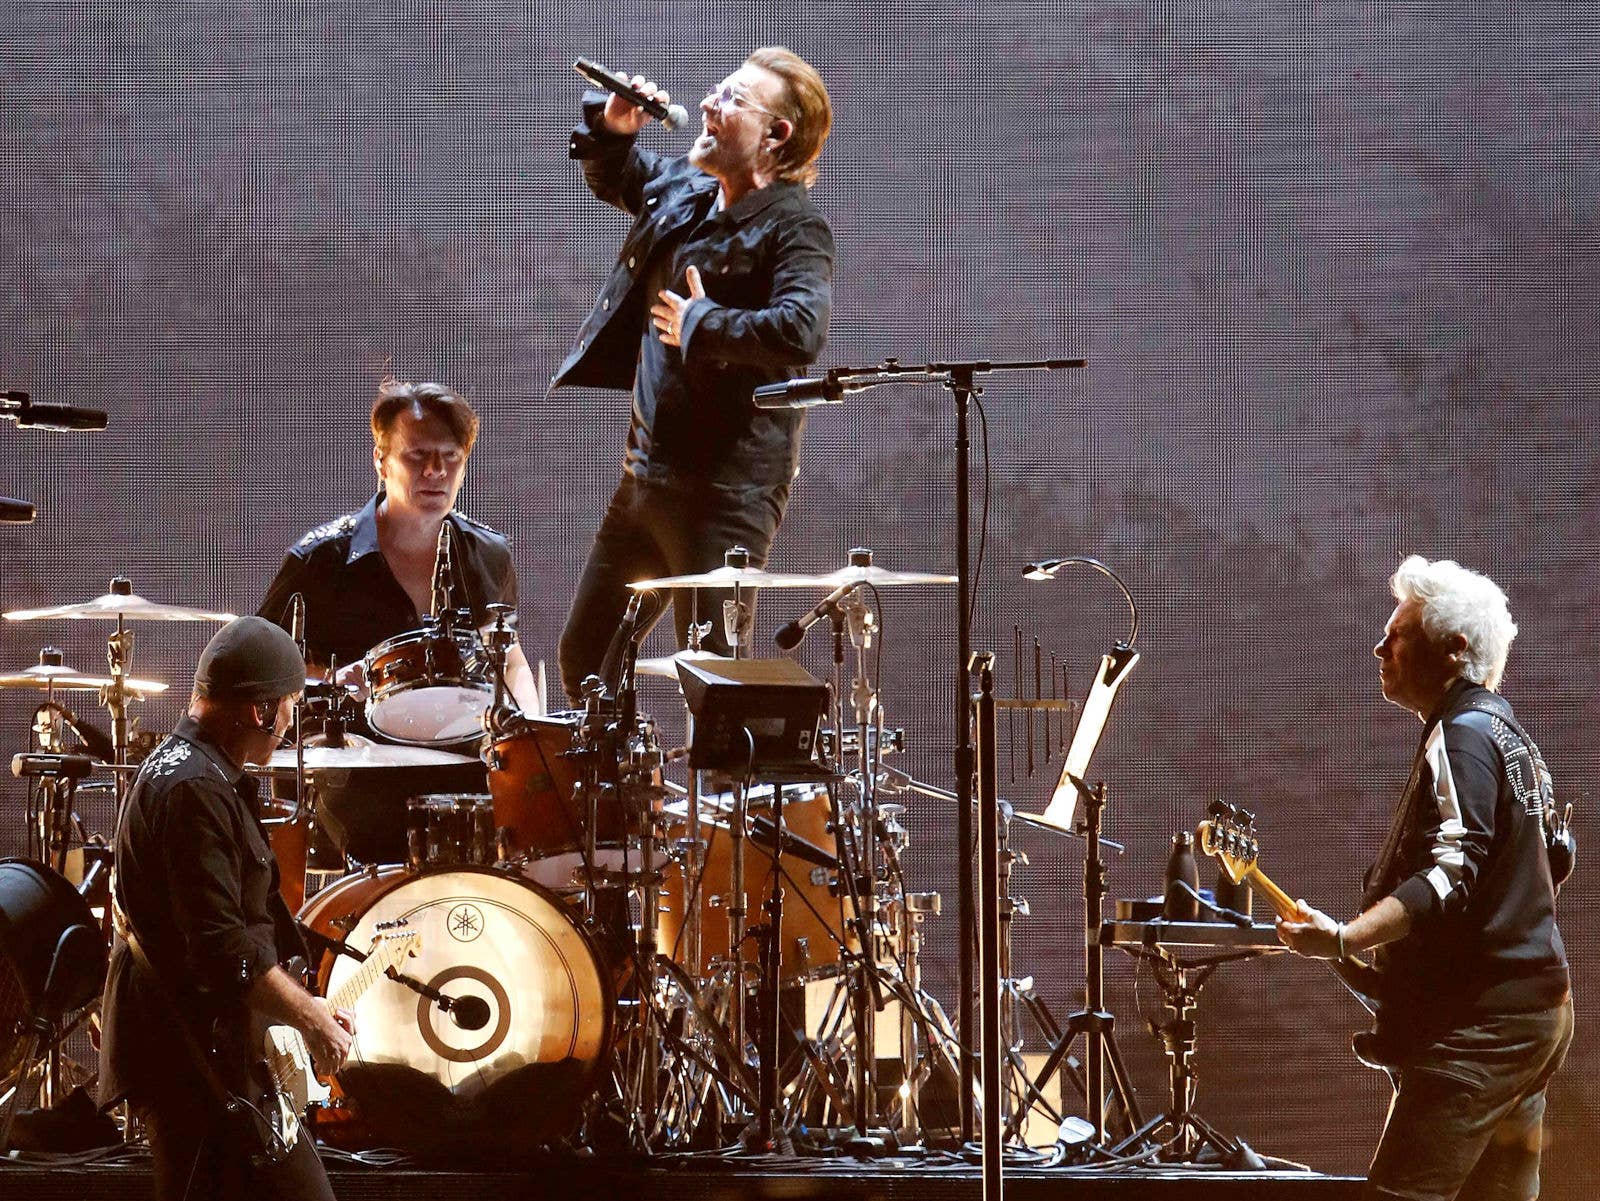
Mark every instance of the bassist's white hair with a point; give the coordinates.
(1458, 600)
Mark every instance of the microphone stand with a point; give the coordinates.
(960, 380)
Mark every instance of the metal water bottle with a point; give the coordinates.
(1181, 904)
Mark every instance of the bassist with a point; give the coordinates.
(1474, 1013)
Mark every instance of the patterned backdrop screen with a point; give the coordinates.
(1333, 268)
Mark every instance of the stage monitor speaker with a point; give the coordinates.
(777, 701)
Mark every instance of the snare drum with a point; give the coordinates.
(428, 687)
(534, 771)
(511, 1067)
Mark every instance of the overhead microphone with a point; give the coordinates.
(790, 636)
(672, 116)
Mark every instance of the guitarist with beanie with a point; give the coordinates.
(197, 967)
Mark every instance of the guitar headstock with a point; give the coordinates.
(1229, 834)
(394, 941)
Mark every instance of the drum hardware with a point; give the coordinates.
(1183, 956)
(53, 963)
(122, 605)
(894, 742)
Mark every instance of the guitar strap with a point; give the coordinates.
(1377, 884)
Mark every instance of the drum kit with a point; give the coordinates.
(608, 957)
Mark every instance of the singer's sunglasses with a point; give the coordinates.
(725, 96)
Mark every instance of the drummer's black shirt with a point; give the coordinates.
(353, 601)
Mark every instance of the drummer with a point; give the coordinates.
(368, 576)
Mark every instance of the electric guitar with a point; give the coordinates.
(1229, 835)
(285, 1059)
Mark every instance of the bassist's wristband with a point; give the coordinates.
(1340, 936)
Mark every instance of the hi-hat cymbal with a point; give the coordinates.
(363, 752)
(667, 665)
(119, 604)
(48, 677)
(730, 577)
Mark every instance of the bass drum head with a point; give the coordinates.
(512, 1065)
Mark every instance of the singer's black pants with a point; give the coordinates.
(662, 527)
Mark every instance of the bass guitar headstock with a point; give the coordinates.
(1229, 835)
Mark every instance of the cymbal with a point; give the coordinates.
(751, 577)
(363, 752)
(48, 677)
(117, 604)
(880, 577)
(729, 577)
(667, 665)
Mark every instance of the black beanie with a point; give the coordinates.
(250, 659)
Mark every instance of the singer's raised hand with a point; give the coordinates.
(623, 118)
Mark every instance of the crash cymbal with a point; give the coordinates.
(667, 665)
(880, 577)
(52, 677)
(730, 577)
(363, 752)
(119, 602)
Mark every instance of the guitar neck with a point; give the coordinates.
(1281, 902)
(383, 957)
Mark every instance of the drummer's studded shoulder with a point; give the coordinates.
(479, 527)
(339, 527)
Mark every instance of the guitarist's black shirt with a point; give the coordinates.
(198, 883)
(1470, 867)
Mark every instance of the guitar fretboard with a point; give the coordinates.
(389, 952)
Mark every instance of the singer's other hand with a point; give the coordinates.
(622, 118)
(669, 311)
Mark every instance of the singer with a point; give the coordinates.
(724, 283)
(368, 576)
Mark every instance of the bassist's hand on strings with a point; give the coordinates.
(1311, 933)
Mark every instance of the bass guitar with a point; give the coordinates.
(1229, 836)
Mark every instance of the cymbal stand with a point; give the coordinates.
(852, 613)
(119, 657)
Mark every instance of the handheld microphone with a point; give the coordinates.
(790, 636)
(670, 115)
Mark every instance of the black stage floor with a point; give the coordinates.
(698, 1178)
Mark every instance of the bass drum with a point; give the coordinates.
(511, 1065)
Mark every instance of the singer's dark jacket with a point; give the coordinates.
(198, 882)
(767, 266)
(353, 601)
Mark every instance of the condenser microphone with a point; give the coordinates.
(673, 116)
(789, 636)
